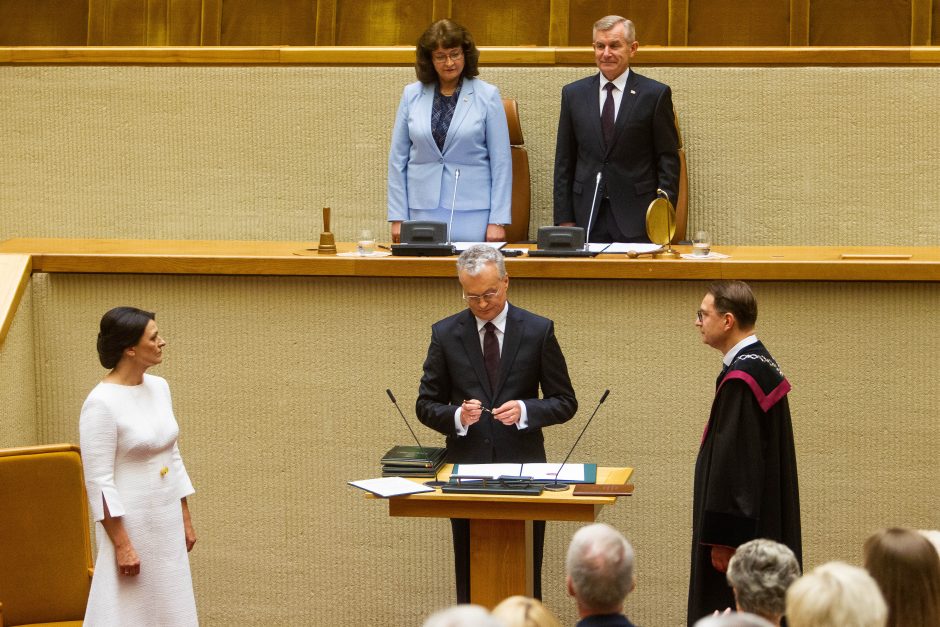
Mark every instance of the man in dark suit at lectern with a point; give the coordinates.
(620, 125)
(493, 356)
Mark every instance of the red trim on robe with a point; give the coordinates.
(765, 400)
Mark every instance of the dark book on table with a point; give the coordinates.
(419, 456)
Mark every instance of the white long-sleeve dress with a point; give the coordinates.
(132, 462)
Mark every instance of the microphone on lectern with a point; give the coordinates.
(453, 205)
(435, 483)
(587, 233)
(558, 487)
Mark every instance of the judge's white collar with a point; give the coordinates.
(737, 348)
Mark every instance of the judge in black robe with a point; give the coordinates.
(745, 476)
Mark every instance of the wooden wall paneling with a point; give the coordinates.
(326, 23)
(678, 23)
(921, 19)
(799, 22)
(381, 22)
(122, 22)
(502, 23)
(860, 23)
(210, 24)
(558, 32)
(285, 23)
(739, 22)
(441, 9)
(184, 22)
(155, 30)
(935, 23)
(651, 19)
(43, 23)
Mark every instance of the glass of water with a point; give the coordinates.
(701, 244)
(365, 245)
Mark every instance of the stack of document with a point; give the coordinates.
(413, 461)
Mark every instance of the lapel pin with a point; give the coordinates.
(633, 92)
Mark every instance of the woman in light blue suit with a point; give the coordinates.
(450, 132)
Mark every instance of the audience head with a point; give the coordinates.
(733, 619)
(905, 565)
(462, 616)
(600, 569)
(121, 328)
(836, 595)
(760, 573)
(445, 34)
(520, 611)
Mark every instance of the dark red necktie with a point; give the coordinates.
(607, 115)
(491, 354)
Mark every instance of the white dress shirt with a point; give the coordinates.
(500, 323)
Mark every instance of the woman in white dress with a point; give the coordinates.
(137, 484)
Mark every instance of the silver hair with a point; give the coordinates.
(609, 21)
(474, 259)
(834, 595)
(734, 619)
(760, 573)
(462, 616)
(600, 564)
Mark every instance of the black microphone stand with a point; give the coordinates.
(431, 484)
(561, 487)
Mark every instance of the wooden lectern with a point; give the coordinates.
(501, 529)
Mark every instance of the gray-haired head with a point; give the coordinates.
(474, 259)
(462, 616)
(760, 573)
(600, 567)
(734, 619)
(609, 21)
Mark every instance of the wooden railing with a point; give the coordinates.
(499, 56)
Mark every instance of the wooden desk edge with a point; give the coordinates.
(781, 263)
(15, 270)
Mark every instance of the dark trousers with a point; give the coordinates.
(461, 531)
(604, 227)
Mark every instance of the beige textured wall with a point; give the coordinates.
(18, 404)
(819, 155)
(279, 386)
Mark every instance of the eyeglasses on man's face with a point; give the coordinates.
(442, 57)
(488, 297)
(701, 314)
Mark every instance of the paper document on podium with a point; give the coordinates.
(390, 486)
(578, 473)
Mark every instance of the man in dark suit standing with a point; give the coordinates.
(620, 125)
(481, 382)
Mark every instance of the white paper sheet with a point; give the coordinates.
(487, 470)
(537, 471)
(390, 486)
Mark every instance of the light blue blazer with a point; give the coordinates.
(420, 176)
